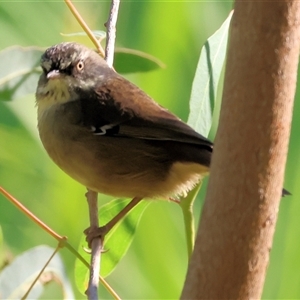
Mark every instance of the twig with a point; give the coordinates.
(30, 215)
(85, 27)
(41, 272)
(92, 290)
(63, 242)
(111, 32)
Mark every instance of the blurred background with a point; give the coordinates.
(156, 264)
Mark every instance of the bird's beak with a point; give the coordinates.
(54, 74)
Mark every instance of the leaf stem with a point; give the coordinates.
(85, 27)
(186, 205)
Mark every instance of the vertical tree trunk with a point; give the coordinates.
(238, 220)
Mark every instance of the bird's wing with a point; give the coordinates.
(122, 109)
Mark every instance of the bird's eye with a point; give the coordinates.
(80, 65)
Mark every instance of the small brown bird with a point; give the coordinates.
(109, 135)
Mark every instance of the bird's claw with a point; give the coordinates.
(94, 232)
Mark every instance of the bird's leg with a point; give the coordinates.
(101, 231)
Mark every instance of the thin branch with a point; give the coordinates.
(97, 243)
(85, 27)
(92, 290)
(31, 216)
(41, 272)
(102, 280)
(108, 226)
(111, 32)
(63, 242)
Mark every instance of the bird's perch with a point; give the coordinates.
(239, 216)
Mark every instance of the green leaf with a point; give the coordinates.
(206, 79)
(202, 105)
(132, 61)
(117, 241)
(17, 277)
(19, 71)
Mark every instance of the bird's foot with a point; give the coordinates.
(95, 232)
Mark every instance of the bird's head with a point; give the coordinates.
(68, 69)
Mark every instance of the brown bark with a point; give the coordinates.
(238, 219)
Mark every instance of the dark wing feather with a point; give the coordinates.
(136, 115)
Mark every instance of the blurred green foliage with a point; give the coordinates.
(155, 266)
